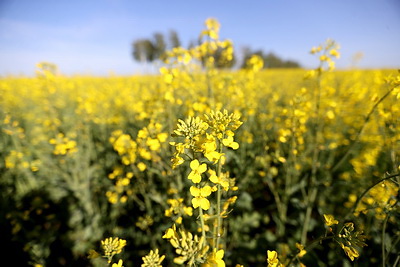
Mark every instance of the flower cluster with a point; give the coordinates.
(203, 143)
(112, 246)
(190, 248)
(326, 53)
(346, 237)
(152, 259)
(178, 209)
(135, 156)
(63, 145)
(272, 259)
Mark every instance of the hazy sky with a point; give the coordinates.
(95, 37)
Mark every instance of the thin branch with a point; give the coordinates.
(366, 191)
(366, 120)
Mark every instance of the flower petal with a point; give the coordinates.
(194, 164)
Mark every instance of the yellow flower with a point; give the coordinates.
(301, 249)
(188, 211)
(215, 260)
(350, 252)
(219, 180)
(141, 166)
(170, 233)
(112, 246)
(197, 170)
(330, 220)
(315, 50)
(152, 259)
(93, 254)
(273, 259)
(334, 53)
(230, 143)
(118, 265)
(200, 195)
(153, 144)
(209, 150)
(255, 63)
(324, 58)
(213, 156)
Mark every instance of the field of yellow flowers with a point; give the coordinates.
(199, 166)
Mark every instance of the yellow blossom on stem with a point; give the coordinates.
(209, 150)
(272, 259)
(200, 195)
(350, 252)
(197, 170)
(330, 220)
(112, 246)
(169, 233)
(230, 143)
(118, 265)
(215, 260)
(153, 259)
(219, 180)
(301, 249)
(334, 53)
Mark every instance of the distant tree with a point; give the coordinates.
(271, 60)
(291, 64)
(174, 39)
(159, 45)
(245, 53)
(192, 44)
(143, 50)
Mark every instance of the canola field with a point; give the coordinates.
(199, 166)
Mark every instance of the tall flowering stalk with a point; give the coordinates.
(326, 53)
(203, 143)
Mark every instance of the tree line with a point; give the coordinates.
(152, 49)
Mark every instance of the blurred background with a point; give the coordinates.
(97, 37)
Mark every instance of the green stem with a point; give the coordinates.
(219, 219)
(383, 241)
(313, 191)
(310, 246)
(393, 245)
(203, 231)
(397, 261)
(307, 217)
(280, 206)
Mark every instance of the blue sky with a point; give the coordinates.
(95, 37)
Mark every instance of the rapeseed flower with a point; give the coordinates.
(228, 142)
(119, 264)
(330, 220)
(351, 252)
(301, 249)
(272, 259)
(152, 259)
(197, 170)
(215, 259)
(112, 246)
(200, 195)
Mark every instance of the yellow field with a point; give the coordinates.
(262, 166)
